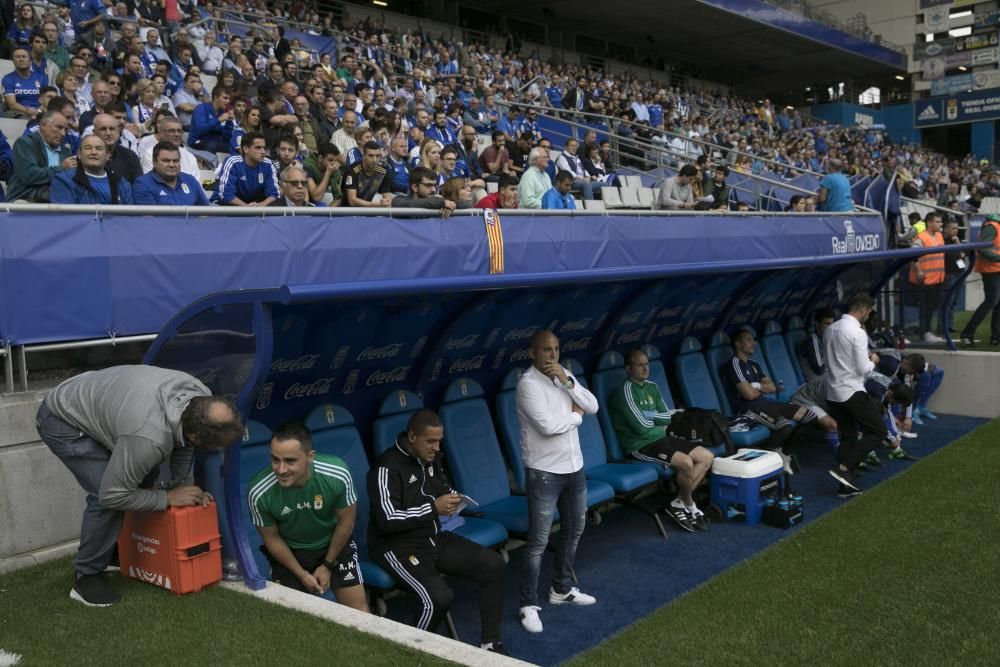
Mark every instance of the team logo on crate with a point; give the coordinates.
(149, 577)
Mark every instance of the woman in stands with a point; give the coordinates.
(145, 108)
(249, 122)
(797, 204)
(430, 157)
(68, 85)
(459, 191)
(20, 29)
(593, 164)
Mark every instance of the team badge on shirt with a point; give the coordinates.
(317, 502)
(260, 178)
(185, 188)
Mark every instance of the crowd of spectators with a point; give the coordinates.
(421, 100)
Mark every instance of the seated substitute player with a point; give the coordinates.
(747, 387)
(408, 490)
(810, 352)
(640, 418)
(304, 506)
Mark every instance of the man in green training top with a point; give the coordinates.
(640, 418)
(304, 506)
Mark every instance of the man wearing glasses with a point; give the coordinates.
(423, 186)
(294, 189)
(168, 128)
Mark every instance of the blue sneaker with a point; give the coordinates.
(916, 419)
(927, 414)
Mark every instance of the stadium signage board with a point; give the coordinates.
(959, 108)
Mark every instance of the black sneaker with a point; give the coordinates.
(847, 492)
(496, 647)
(680, 515)
(698, 521)
(845, 477)
(94, 591)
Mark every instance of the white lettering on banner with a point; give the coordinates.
(351, 382)
(461, 343)
(631, 318)
(577, 344)
(498, 359)
(633, 337)
(418, 347)
(669, 329)
(320, 387)
(397, 374)
(669, 312)
(707, 307)
(575, 325)
(436, 371)
(264, 397)
(854, 243)
(524, 354)
(704, 324)
(465, 365)
(520, 334)
(390, 351)
(303, 363)
(492, 338)
(340, 357)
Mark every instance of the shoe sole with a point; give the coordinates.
(73, 595)
(843, 480)
(576, 602)
(848, 494)
(686, 526)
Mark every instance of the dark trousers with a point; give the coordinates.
(928, 299)
(419, 564)
(950, 280)
(991, 286)
(859, 412)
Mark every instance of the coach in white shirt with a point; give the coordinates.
(550, 408)
(845, 345)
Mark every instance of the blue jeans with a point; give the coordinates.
(546, 491)
(87, 460)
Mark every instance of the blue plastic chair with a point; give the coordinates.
(795, 333)
(773, 347)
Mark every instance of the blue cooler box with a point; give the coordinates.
(742, 482)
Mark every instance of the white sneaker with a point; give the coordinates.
(908, 434)
(932, 338)
(529, 619)
(573, 597)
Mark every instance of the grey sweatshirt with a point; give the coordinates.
(134, 411)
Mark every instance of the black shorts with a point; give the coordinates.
(346, 574)
(772, 414)
(664, 449)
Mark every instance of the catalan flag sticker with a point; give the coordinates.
(494, 237)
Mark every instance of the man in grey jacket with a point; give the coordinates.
(112, 429)
(675, 191)
(423, 183)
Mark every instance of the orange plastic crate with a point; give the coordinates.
(177, 549)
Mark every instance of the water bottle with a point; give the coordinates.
(781, 388)
(231, 570)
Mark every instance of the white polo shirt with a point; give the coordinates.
(549, 439)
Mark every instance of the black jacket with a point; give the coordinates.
(402, 490)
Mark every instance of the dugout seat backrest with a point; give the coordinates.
(695, 377)
(608, 378)
(719, 351)
(333, 432)
(795, 333)
(393, 414)
(773, 347)
(255, 455)
(508, 427)
(474, 458)
(658, 375)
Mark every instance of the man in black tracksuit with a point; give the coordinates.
(408, 490)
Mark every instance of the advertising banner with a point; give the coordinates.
(952, 84)
(954, 109)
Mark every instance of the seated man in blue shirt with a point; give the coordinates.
(22, 87)
(835, 189)
(559, 197)
(90, 182)
(166, 184)
(249, 179)
(211, 124)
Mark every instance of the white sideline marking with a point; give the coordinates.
(383, 628)
(8, 659)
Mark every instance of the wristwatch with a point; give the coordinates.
(330, 566)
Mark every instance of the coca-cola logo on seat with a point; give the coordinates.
(397, 374)
(320, 387)
(390, 351)
(303, 363)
